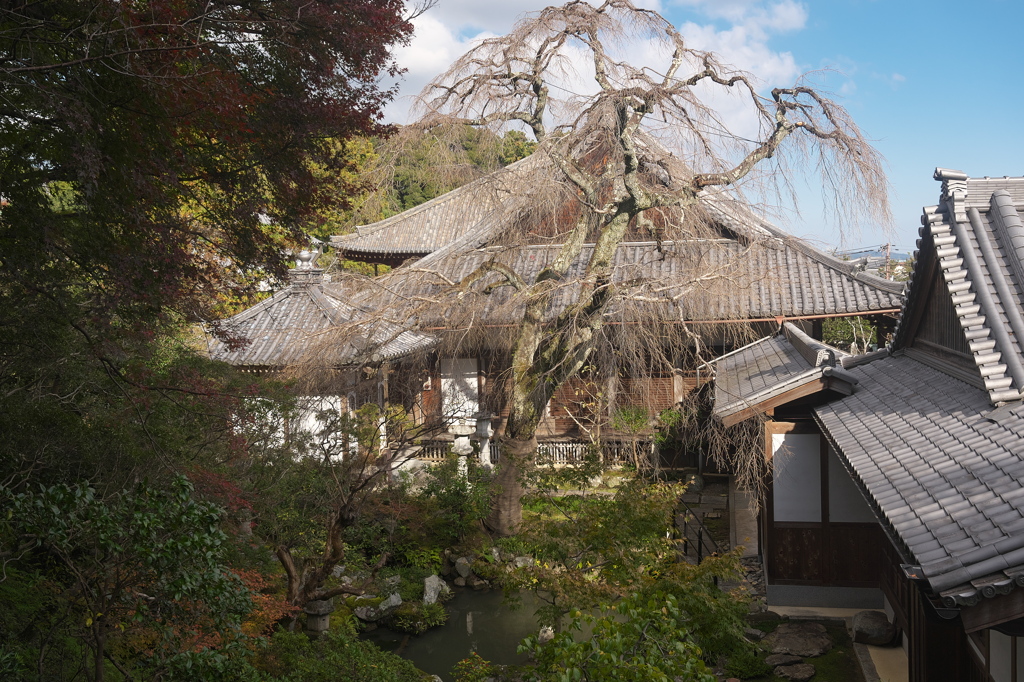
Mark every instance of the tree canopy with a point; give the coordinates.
(153, 154)
(145, 146)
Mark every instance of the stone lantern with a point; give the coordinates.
(318, 616)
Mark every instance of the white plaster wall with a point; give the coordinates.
(311, 406)
(460, 392)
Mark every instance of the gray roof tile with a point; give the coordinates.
(295, 321)
(660, 275)
(950, 485)
(769, 367)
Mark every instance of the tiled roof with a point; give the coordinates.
(771, 367)
(297, 320)
(942, 467)
(695, 280)
(977, 235)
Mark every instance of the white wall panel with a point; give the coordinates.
(796, 468)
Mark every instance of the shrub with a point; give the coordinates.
(473, 668)
(462, 499)
(746, 662)
(337, 655)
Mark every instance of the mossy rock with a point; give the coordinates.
(416, 618)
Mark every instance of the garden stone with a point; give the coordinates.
(775, 660)
(460, 582)
(372, 613)
(393, 581)
(753, 634)
(547, 633)
(496, 553)
(462, 567)
(799, 639)
(338, 571)
(477, 583)
(873, 627)
(523, 561)
(434, 587)
(798, 672)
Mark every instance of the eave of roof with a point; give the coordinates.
(776, 371)
(471, 215)
(423, 229)
(667, 281)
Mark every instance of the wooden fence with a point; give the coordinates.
(559, 453)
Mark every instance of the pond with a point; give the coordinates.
(477, 621)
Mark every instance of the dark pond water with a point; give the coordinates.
(477, 621)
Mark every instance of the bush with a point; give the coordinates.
(639, 639)
(472, 669)
(337, 655)
(462, 500)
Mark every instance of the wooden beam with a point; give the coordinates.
(811, 387)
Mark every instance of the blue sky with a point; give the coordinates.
(933, 83)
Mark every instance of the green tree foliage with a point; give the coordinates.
(144, 144)
(623, 605)
(427, 164)
(133, 582)
(155, 159)
(846, 333)
(590, 550)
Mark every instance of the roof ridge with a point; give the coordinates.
(243, 316)
(813, 252)
(946, 234)
(451, 195)
(813, 351)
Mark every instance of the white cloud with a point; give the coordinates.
(435, 45)
(783, 15)
(745, 42)
(739, 31)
